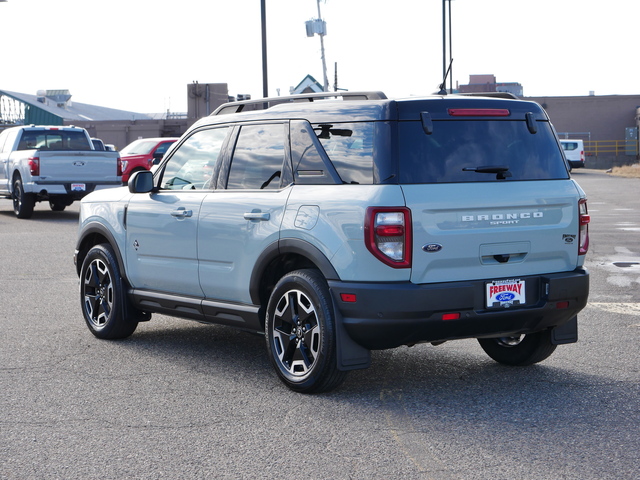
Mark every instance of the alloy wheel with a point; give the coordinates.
(98, 293)
(296, 333)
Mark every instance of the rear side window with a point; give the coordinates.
(350, 147)
(569, 146)
(310, 164)
(460, 150)
(258, 157)
(163, 147)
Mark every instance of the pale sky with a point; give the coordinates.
(139, 55)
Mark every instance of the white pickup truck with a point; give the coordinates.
(54, 164)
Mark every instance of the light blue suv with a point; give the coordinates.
(337, 224)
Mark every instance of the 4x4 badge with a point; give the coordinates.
(432, 247)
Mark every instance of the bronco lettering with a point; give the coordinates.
(501, 217)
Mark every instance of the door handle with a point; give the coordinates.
(181, 213)
(257, 216)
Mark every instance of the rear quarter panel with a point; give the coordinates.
(331, 217)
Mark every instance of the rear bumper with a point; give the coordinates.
(389, 315)
(69, 190)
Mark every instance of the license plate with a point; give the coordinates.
(78, 187)
(505, 293)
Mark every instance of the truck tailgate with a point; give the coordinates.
(88, 166)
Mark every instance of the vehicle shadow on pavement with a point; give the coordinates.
(454, 375)
(42, 216)
(451, 400)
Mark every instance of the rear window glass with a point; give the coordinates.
(54, 140)
(474, 146)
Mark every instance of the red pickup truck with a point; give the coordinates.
(142, 154)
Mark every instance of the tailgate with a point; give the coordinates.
(88, 166)
(492, 230)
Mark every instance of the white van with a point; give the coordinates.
(574, 151)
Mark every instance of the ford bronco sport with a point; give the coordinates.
(337, 224)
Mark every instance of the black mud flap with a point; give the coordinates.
(565, 333)
(350, 355)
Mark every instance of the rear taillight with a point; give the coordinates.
(583, 235)
(388, 235)
(582, 156)
(34, 166)
(122, 165)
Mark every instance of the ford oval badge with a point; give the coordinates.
(432, 247)
(505, 297)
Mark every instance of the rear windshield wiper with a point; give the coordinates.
(501, 171)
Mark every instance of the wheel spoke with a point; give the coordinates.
(307, 356)
(105, 307)
(92, 280)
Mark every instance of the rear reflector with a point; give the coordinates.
(562, 305)
(479, 112)
(348, 297)
(450, 316)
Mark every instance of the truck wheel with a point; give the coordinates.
(103, 296)
(300, 333)
(519, 350)
(23, 203)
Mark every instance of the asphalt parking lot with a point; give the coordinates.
(181, 399)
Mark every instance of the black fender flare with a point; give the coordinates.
(284, 246)
(96, 228)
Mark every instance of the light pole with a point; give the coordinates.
(263, 18)
(444, 47)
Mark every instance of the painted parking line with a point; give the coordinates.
(618, 308)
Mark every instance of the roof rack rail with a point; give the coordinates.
(491, 94)
(264, 103)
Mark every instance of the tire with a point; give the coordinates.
(103, 296)
(300, 333)
(23, 203)
(519, 350)
(57, 206)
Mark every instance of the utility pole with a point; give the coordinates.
(319, 26)
(324, 62)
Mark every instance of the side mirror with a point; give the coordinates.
(141, 182)
(157, 156)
